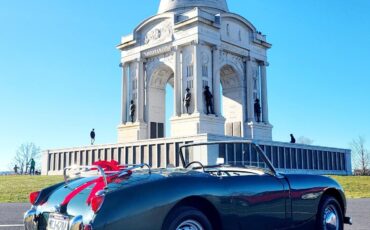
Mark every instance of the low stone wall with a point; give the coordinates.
(288, 158)
(296, 158)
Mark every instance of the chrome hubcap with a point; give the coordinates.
(331, 221)
(190, 225)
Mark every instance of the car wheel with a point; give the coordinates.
(187, 218)
(330, 215)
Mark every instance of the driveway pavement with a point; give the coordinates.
(11, 216)
(358, 209)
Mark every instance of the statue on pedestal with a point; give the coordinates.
(209, 97)
(257, 110)
(187, 100)
(132, 110)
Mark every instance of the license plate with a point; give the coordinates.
(58, 222)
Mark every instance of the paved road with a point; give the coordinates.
(11, 216)
(358, 209)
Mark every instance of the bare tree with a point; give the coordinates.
(24, 154)
(304, 140)
(360, 155)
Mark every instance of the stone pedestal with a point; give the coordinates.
(132, 132)
(258, 131)
(194, 124)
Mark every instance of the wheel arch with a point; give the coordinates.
(337, 195)
(205, 206)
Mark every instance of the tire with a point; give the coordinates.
(330, 214)
(186, 218)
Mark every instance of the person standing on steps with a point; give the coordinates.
(92, 136)
(292, 139)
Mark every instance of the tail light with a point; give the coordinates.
(34, 196)
(97, 202)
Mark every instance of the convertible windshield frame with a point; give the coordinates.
(258, 149)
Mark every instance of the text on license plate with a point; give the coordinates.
(58, 222)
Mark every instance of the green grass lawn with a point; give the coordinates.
(15, 189)
(355, 186)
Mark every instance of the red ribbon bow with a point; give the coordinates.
(109, 167)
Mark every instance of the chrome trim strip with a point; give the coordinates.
(133, 167)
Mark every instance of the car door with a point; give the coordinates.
(259, 201)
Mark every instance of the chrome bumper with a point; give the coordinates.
(31, 221)
(348, 220)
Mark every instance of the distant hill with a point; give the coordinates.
(3, 173)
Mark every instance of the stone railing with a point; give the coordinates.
(158, 153)
(297, 158)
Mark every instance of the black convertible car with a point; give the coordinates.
(212, 190)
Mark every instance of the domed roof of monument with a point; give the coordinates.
(170, 5)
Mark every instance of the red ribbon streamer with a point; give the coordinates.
(111, 166)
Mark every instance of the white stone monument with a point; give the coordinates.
(193, 44)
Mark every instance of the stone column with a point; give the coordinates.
(249, 88)
(348, 162)
(198, 89)
(265, 112)
(216, 80)
(130, 77)
(140, 91)
(124, 93)
(145, 92)
(177, 92)
(45, 163)
(244, 117)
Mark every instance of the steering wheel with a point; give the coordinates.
(195, 162)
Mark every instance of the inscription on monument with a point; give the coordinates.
(157, 51)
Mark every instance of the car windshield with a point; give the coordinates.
(225, 154)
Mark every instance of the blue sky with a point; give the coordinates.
(59, 74)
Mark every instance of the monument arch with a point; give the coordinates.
(233, 101)
(159, 78)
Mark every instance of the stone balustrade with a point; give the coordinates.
(158, 153)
